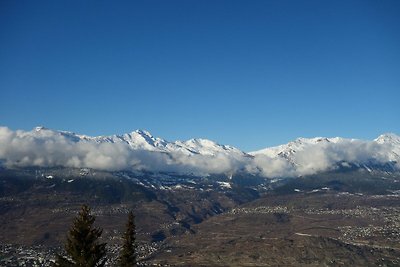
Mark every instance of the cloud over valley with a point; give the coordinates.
(140, 151)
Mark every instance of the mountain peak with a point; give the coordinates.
(131, 151)
(388, 138)
(40, 128)
(143, 133)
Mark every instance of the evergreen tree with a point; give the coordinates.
(83, 247)
(128, 253)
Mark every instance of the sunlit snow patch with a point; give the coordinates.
(225, 185)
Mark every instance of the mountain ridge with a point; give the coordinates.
(140, 150)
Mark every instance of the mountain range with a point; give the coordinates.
(324, 200)
(140, 151)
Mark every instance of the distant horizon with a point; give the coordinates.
(203, 137)
(142, 152)
(252, 74)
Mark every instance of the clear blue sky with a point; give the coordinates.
(246, 73)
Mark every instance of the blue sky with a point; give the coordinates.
(250, 74)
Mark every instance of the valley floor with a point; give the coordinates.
(202, 224)
(324, 229)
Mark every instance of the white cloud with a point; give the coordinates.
(324, 156)
(271, 167)
(48, 148)
(51, 149)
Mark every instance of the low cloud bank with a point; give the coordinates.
(328, 156)
(46, 148)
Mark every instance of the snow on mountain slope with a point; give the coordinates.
(307, 156)
(388, 138)
(143, 140)
(139, 150)
(289, 150)
(393, 141)
(139, 139)
(207, 147)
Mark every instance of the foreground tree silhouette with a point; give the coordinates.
(83, 247)
(127, 257)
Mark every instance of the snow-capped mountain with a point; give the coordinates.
(310, 155)
(393, 141)
(139, 150)
(289, 150)
(143, 140)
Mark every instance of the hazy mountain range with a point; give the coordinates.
(140, 151)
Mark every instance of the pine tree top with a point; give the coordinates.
(83, 247)
(128, 254)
